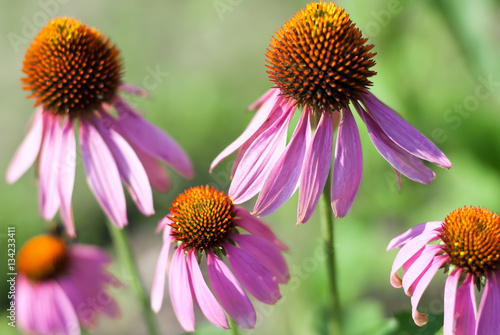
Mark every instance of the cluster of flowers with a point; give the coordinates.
(319, 64)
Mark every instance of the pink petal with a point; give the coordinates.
(315, 168)
(401, 160)
(229, 292)
(133, 89)
(450, 295)
(464, 308)
(28, 150)
(102, 174)
(270, 94)
(130, 168)
(266, 253)
(180, 291)
(488, 321)
(260, 158)
(423, 228)
(284, 176)
(151, 139)
(421, 284)
(415, 270)
(253, 275)
(402, 133)
(24, 307)
(49, 167)
(67, 176)
(157, 175)
(266, 104)
(253, 225)
(203, 296)
(158, 287)
(347, 166)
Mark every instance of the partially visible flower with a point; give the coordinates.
(74, 73)
(469, 253)
(319, 61)
(60, 287)
(204, 222)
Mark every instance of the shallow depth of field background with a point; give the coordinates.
(434, 62)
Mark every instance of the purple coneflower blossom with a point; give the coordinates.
(319, 62)
(469, 253)
(60, 287)
(74, 73)
(204, 222)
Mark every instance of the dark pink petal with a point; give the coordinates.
(66, 179)
(229, 292)
(411, 248)
(415, 270)
(92, 254)
(421, 284)
(133, 89)
(28, 150)
(423, 228)
(488, 321)
(151, 139)
(158, 287)
(464, 308)
(266, 253)
(253, 275)
(203, 296)
(49, 167)
(180, 291)
(315, 169)
(131, 170)
(253, 225)
(284, 176)
(402, 133)
(260, 158)
(401, 160)
(157, 175)
(265, 104)
(347, 166)
(102, 174)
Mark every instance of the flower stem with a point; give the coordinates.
(335, 319)
(124, 251)
(233, 325)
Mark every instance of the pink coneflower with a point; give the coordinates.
(74, 73)
(319, 61)
(59, 287)
(204, 222)
(469, 253)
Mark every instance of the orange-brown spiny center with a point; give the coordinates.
(202, 217)
(319, 58)
(42, 257)
(471, 239)
(71, 68)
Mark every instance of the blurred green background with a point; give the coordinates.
(434, 60)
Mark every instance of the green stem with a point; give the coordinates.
(124, 251)
(233, 325)
(335, 319)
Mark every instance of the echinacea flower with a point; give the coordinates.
(320, 62)
(60, 287)
(470, 253)
(74, 73)
(204, 223)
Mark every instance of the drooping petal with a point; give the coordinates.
(253, 275)
(203, 296)
(253, 225)
(284, 176)
(152, 139)
(102, 174)
(450, 295)
(229, 292)
(266, 253)
(488, 321)
(421, 284)
(265, 105)
(49, 167)
(24, 310)
(406, 163)
(464, 309)
(180, 291)
(260, 158)
(28, 150)
(403, 133)
(347, 165)
(158, 287)
(66, 179)
(315, 169)
(131, 170)
(415, 269)
(423, 228)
